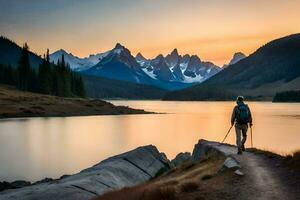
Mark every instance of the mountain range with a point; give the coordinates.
(96, 87)
(272, 68)
(171, 72)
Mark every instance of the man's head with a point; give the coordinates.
(240, 99)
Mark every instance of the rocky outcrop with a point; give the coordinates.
(204, 148)
(13, 185)
(127, 169)
(180, 158)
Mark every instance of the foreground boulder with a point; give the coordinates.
(127, 169)
(181, 158)
(204, 148)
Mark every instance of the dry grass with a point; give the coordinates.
(292, 161)
(189, 186)
(142, 192)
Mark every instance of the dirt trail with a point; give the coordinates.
(261, 179)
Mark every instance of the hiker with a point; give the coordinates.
(241, 116)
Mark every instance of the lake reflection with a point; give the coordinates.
(35, 148)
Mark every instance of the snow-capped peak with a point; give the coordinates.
(118, 48)
(76, 63)
(175, 52)
(173, 58)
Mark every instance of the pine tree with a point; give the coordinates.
(81, 88)
(45, 76)
(55, 79)
(24, 72)
(64, 78)
(67, 80)
(7, 75)
(77, 83)
(10, 75)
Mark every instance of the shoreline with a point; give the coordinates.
(75, 115)
(19, 104)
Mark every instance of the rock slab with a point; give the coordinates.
(203, 148)
(127, 169)
(180, 158)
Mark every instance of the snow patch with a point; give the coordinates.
(198, 79)
(183, 66)
(150, 73)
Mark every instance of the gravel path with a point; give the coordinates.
(262, 177)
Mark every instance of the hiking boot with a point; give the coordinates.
(243, 148)
(239, 152)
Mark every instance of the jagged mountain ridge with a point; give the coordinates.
(76, 63)
(119, 64)
(174, 67)
(272, 68)
(170, 72)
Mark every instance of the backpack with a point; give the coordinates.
(243, 114)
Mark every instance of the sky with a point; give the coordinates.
(212, 29)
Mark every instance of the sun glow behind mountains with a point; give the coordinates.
(214, 30)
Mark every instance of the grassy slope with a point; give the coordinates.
(14, 103)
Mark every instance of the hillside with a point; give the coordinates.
(287, 96)
(98, 87)
(10, 53)
(272, 68)
(14, 103)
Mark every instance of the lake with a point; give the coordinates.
(34, 148)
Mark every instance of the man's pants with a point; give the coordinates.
(241, 129)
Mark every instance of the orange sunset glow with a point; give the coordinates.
(214, 30)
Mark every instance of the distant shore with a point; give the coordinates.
(18, 104)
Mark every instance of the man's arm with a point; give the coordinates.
(233, 116)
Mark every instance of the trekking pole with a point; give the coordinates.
(227, 134)
(251, 137)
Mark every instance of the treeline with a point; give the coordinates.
(287, 96)
(49, 78)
